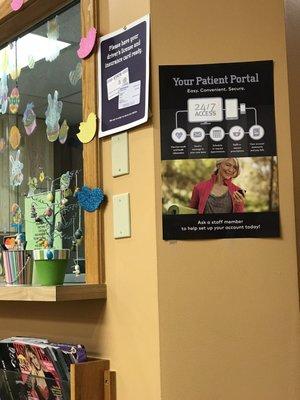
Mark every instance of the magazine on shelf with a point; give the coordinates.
(40, 372)
(34, 368)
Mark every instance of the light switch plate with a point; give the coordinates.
(121, 215)
(119, 154)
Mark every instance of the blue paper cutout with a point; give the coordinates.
(90, 199)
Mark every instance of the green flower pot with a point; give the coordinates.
(50, 267)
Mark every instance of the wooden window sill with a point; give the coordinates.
(68, 292)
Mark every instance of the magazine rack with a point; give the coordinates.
(91, 380)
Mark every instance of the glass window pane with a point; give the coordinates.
(34, 69)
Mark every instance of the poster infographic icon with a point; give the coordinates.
(218, 150)
(124, 72)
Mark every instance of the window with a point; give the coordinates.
(46, 58)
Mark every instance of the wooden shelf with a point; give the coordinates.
(52, 293)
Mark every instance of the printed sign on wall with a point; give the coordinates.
(124, 72)
(218, 150)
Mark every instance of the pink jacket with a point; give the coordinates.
(203, 189)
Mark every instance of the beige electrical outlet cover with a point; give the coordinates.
(121, 215)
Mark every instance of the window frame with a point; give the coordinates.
(15, 23)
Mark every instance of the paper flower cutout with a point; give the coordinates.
(29, 119)
(87, 129)
(16, 175)
(87, 43)
(14, 137)
(90, 199)
(76, 75)
(3, 94)
(14, 100)
(16, 4)
(53, 116)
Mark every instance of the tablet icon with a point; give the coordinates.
(179, 135)
(256, 132)
(217, 133)
(197, 134)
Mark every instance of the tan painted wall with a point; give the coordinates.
(125, 329)
(292, 8)
(228, 309)
(229, 318)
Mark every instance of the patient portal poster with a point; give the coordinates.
(218, 151)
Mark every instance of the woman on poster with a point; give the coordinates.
(219, 194)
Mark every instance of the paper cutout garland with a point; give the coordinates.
(87, 129)
(16, 167)
(14, 100)
(14, 137)
(29, 119)
(16, 4)
(53, 113)
(87, 43)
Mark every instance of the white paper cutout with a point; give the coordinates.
(75, 76)
(53, 29)
(3, 94)
(53, 116)
(53, 35)
(31, 62)
(32, 186)
(16, 175)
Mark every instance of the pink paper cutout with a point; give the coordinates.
(87, 43)
(16, 4)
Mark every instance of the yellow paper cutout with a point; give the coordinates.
(63, 132)
(42, 176)
(4, 61)
(15, 73)
(14, 137)
(87, 129)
